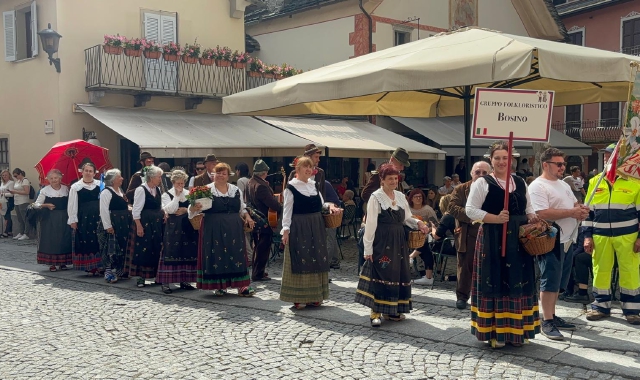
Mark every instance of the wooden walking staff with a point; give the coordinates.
(506, 194)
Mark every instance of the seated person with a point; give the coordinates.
(582, 266)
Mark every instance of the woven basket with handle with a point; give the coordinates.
(416, 239)
(540, 244)
(195, 221)
(332, 220)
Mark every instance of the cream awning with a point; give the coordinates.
(448, 134)
(189, 134)
(353, 139)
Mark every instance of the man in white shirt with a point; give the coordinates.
(576, 183)
(447, 188)
(553, 200)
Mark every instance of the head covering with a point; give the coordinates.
(610, 148)
(310, 149)
(85, 160)
(401, 156)
(210, 158)
(145, 156)
(260, 166)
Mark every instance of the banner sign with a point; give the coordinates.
(629, 158)
(526, 113)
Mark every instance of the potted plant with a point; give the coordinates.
(208, 57)
(113, 44)
(277, 72)
(151, 49)
(270, 71)
(223, 56)
(200, 195)
(191, 53)
(239, 60)
(288, 71)
(133, 47)
(256, 67)
(171, 52)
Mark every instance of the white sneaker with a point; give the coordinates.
(25, 237)
(423, 281)
(18, 236)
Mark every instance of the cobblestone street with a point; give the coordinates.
(66, 325)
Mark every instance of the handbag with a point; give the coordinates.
(3, 205)
(31, 216)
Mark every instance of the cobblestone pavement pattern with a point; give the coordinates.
(65, 325)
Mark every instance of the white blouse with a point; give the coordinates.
(478, 194)
(50, 192)
(105, 201)
(4, 189)
(171, 206)
(139, 199)
(231, 192)
(305, 188)
(375, 208)
(72, 207)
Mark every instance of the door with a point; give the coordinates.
(160, 75)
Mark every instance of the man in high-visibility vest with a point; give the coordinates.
(611, 232)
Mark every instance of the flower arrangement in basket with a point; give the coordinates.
(199, 195)
(133, 47)
(223, 56)
(538, 238)
(171, 52)
(270, 71)
(239, 60)
(256, 67)
(151, 49)
(191, 53)
(113, 44)
(208, 57)
(331, 220)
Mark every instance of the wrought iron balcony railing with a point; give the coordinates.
(632, 50)
(591, 131)
(138, 74)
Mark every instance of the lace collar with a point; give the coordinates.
(386, 202)
(233, 189)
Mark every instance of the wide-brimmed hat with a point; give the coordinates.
(310, 149)
(85, 160)
(210, 158)
(260, 166)
(145, 156)
(401, 156)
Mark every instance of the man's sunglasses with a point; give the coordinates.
(558, 164)
(199, 169)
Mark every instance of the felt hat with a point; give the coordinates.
(401, 156)
(210, 158)
(260, 166)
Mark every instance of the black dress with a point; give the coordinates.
(115, 247)
(222, 257)
(86, 250)
(180, 252)
(504, 304)
(54, 234)
(147, 249)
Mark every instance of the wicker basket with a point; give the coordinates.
(195, 221)
(332, 220)
(538, 245)
(416, 239)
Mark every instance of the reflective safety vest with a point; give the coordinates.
(614, 210)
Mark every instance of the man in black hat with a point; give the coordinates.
(206, 178)
(146, 159)
(260, 196)
(399, 159)
(314, 153)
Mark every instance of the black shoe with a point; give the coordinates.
(577, 298)
(562, 324)
(186, 286)
(562, 296)
(264, 278)
(550, 330)
(334, 266)
(460, 304)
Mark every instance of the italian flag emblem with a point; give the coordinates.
(481, 131)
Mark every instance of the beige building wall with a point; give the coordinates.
(33, 92)
(500, 15)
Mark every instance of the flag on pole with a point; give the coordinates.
(612, 164)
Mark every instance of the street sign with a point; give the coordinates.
(526, 113)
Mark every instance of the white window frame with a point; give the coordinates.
(33, 8)
(407, 30)
(630, 16)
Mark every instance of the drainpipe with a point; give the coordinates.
(370, 26)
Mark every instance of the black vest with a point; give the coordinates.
(494, 202)
(151, 202)
(303, 204)
(117, 202)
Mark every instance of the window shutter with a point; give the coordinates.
(152, 27)
(34, 29)
(9, 19)
(168, 29)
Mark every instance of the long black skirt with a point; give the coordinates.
(147, 249)
(114, 247)
(86, 248)
(54, 238)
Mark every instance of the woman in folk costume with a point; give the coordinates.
(504, 305)
(222, 257)
(148, 218)
(180, 251)
(305, 271)
(385, 279)
(54, 235)
(116, 223)
(84, 219)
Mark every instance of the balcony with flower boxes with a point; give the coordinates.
(150, 70)
(604, 131)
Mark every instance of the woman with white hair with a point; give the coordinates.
(148, 218)
(180, 251)
(84, 218)
(116, 227)
(54, 235)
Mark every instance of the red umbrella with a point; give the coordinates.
(66, 156)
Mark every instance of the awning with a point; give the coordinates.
(189, 134)
(448, 134)
(353, 139)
